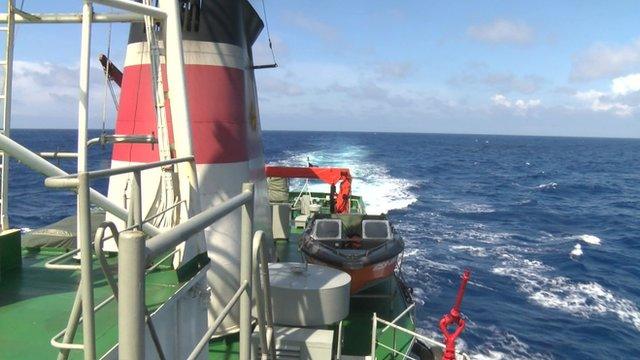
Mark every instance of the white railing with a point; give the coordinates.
(134, 250)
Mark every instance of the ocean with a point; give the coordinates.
(511, 209)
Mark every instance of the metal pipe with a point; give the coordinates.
(83, 207)
(258, 287)
(72, 324)
(182, 232)
(136, 199)
(246, 247)
(374, 330)
(36, 163)
(58, 155)
(266, 282)
(73, 18)
(128, 139)
(131, 306)
(180, 115)
(223, 314)
(66, 181)
(86, 263)
(412, 333)
(52, 264)
(134, 7)
(6, 115)
(399, 317)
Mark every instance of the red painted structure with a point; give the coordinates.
(454, 318)
(329, 175)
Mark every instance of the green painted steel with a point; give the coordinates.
(35, 304)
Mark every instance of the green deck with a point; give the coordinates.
(35, 303)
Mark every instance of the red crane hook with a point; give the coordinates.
(453, 318)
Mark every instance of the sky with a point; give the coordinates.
(562, 68)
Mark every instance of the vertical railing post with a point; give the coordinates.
(84, 217)
(246, 250)
(374, 330)
(131, 305)
(6, 114)
(86, 267)
(136, 199)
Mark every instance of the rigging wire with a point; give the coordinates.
(107, 82)
(266, 24)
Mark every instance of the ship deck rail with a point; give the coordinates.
(141, 241)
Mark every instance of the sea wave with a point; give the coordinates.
(547, 186)
(380, 190)
(504, 345)
(589, 239)
(582, 299)
(471, 250)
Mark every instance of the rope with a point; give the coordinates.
(266, 23)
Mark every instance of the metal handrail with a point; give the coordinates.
(71, 180)
(265, 309)
(135, 252)
(415, 335)
(175, 236)
(397, 318)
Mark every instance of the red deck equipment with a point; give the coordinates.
(454, 318)
(329, 175)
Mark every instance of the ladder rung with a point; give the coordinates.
(4, 28)
(3, 62)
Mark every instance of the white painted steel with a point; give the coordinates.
(6, 114)
(181, 123)
(135, 7)
(73, 18)
(195, 53)
(313, 296)
(83, 224)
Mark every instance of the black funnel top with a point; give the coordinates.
(226, 21)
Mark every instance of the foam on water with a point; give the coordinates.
(471, 250)
(590, 239)
(582, 299)
(502, 345)
(470, 208)
(381, 190)
(547, 186)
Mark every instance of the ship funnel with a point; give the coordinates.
(225, 125)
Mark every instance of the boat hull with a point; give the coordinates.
(365, 276)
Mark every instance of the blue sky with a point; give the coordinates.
(568, 68)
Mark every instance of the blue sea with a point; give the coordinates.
(511, 209)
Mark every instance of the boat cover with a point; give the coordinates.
(61, 234)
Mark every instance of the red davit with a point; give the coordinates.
(454, 318)
(329, 175)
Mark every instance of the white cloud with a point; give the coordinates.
(502, 31)
(519, 105)
(602, 102)
(617, 100)
(603, 60)
(626, 84)
(46, 95)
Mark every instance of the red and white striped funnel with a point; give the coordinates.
(225, 125)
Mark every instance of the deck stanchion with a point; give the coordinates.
(374, 330)
(131, 306)
(86, 267)
(136, 199)
(246, 250)
(84, 216)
